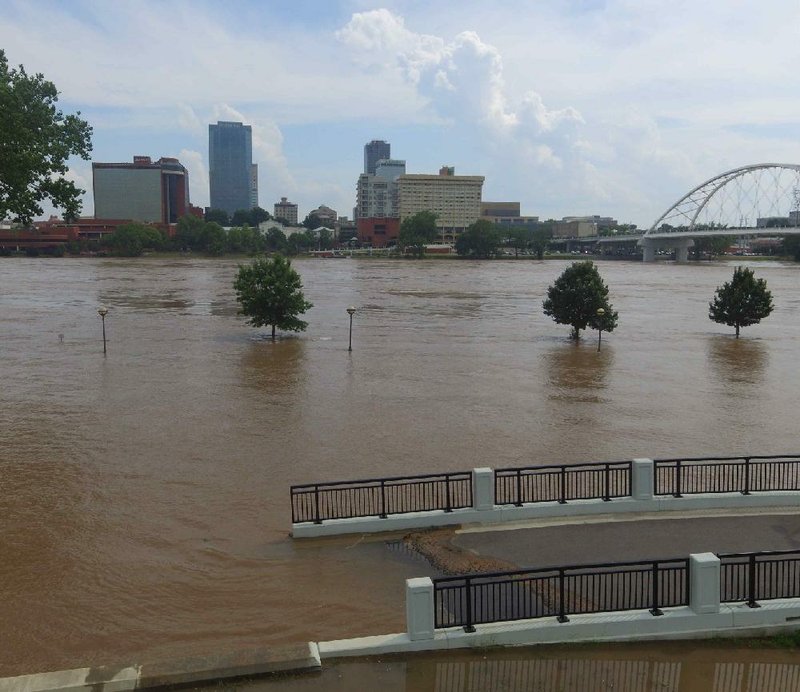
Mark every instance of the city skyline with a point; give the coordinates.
(572, 108)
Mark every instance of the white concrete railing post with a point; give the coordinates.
(704, 583)
(642, 474)
(419, 608)
(482, 488)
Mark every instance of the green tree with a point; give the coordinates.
(126, 241)
(325, 240)
(540, 241)
(36, 140)
(299, 242)
(416, 230)
(275, 240)
(213, 239)
(240, 217)
(189, 233)
(245, 239)
(517, 237)
(219, 216)
(258, 216)
(480, 240)
(742, 301)
(270, 293)
(575, 298)
(791, 246)
(312, 221)
(131, 239)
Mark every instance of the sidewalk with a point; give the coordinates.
(543, 544)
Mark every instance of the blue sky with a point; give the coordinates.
(571, 107)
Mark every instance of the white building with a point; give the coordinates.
(377, 196)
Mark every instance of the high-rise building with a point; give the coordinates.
(378, 203)
(375, 151)
(377, 195)
(147, 191)
(455, 199)
(230, 166)
(287, 211)
(253, 185)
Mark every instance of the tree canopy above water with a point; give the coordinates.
(741, 302)
(576, 298)
(270, 293)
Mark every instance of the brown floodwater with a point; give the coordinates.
(651, 667)
(144, 495)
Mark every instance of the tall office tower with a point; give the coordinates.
(375, 151)
(230, 160)
(147, 191)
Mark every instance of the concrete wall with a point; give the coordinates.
(485, 511)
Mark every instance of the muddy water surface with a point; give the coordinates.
(144, 495)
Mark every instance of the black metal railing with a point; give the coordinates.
(554, 483)
(380, 497)
(745, 475)
(753, 577)
(559, 592)
(561, 483)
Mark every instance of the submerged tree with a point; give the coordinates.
(742, 301)
(575, 298)
(36, 139)
(270, 293)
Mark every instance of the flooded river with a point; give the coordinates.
(662, 667)
(144, 495)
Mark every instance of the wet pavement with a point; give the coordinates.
(620, 541)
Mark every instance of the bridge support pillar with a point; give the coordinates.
(648, 250)
(682, 246)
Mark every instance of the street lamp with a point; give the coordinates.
(600, 313)
(103, 312)
(350, 312)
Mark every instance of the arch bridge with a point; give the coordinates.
(761, 199)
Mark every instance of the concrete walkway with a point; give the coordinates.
(637, 537)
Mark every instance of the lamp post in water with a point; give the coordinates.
(600, 313)
(103, 311)
(350, 312)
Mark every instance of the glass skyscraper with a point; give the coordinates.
(230, 160)
(376, 150)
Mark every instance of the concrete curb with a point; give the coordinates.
(676, 623)
(300, 657)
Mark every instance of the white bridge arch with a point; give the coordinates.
(746, 201)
